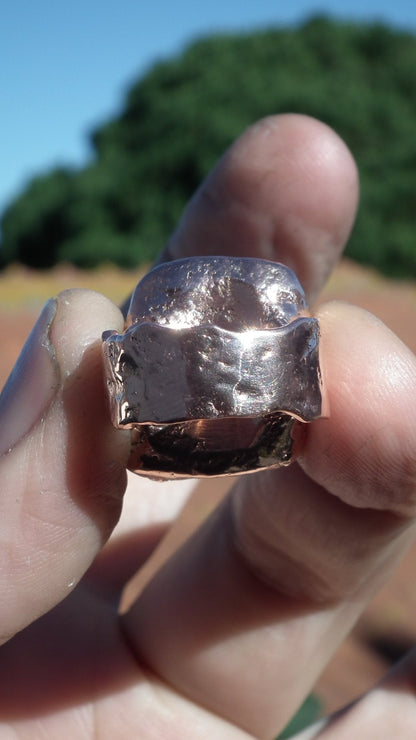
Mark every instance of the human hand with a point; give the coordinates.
(230, 634)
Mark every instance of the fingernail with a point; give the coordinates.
(31, 385)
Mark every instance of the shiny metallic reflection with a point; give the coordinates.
(218, 361)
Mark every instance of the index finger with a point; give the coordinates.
(286, 190)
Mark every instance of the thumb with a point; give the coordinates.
(62, 465)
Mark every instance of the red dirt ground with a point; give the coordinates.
(388, 626)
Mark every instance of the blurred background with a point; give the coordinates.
(112, 113)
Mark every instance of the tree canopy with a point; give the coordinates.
(180, 116)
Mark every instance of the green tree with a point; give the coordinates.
(178, 119)
(35, 224)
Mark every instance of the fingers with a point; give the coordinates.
(62, 464)
(248, 612)
(355, 491)
(388, 711)
(365, 452)
(286, 190)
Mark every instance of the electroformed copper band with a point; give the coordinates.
(218, 362)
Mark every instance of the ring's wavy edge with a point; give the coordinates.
(160, 375)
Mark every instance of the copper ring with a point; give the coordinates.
(218, 363)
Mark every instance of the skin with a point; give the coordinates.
(228, 635)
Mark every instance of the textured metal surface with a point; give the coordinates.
(218, 360)
(218, 447)
(228, 292)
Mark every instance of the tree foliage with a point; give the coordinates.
(178, 119)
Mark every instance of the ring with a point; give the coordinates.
(218, 364)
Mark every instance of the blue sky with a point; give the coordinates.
(65, 66)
